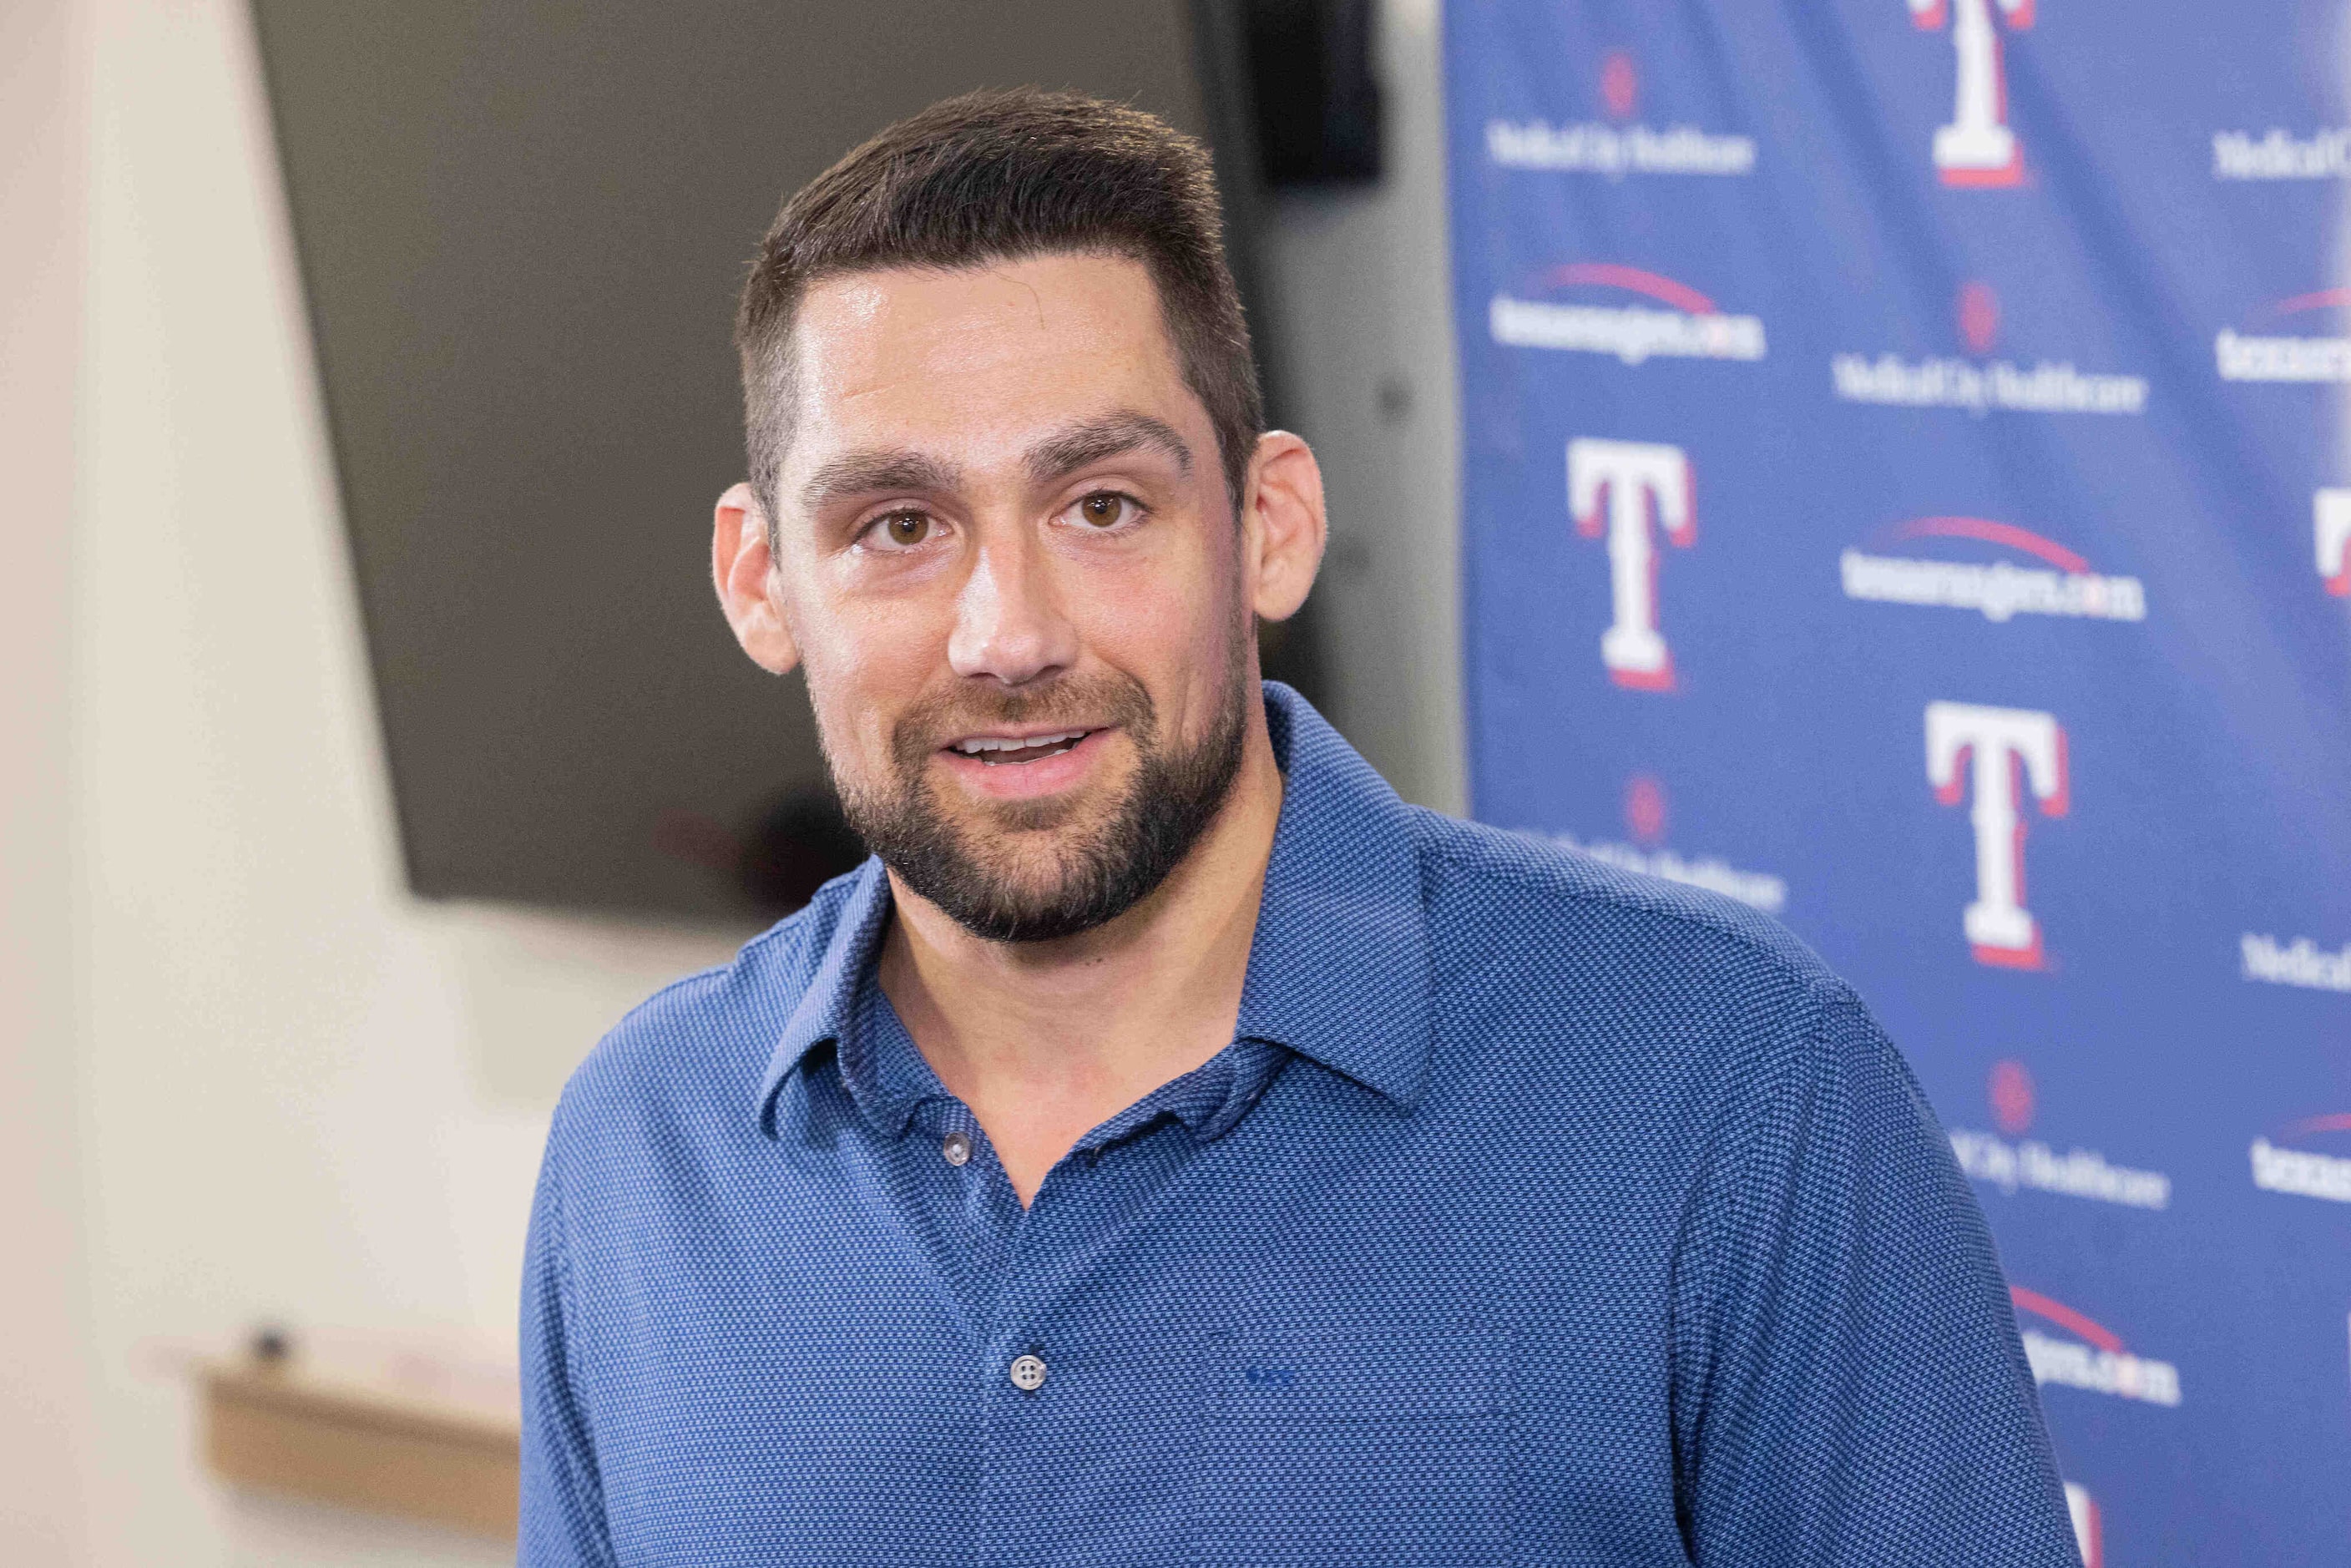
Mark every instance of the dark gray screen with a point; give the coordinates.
(522, 226)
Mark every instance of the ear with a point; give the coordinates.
(743, 572)
(1285, 525)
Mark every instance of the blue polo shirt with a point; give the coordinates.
(1537, 1213)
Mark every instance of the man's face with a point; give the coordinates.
(1007, 561)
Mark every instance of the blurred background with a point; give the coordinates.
(372, 742)
(1882, 463)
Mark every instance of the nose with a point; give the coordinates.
(1010, 626)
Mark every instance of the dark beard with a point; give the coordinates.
(1103, 870)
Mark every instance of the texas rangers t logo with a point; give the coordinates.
(2334, 519)
(2088, 1534)
(2000, 929)
(1977, 148)
(1615, 486)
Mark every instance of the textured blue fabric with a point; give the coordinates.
(1538, 1214)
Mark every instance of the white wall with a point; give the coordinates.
(301, 1094)
(45, 1383)
(243, 1075)
(1360, 291)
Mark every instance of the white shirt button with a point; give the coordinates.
(957, 1150)
(1027, 1373)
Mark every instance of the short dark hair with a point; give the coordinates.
(997, 177)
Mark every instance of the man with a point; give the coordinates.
(1172, 1148)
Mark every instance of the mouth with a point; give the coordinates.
(1013, 750)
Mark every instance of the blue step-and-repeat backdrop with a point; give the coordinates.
(1906, 489)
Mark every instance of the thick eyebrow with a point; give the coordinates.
(1064, 453)
(875, 470)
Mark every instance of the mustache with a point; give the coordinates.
(1069, 701)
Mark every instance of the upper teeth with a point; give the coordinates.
(997, 743)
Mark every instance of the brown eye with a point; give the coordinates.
(1102, 509)
(907, 528)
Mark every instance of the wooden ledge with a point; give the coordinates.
(390, 1434)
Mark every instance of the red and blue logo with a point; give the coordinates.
(1616, 146)
(1620, 84)
(2331, 520)
(1644, 810)
(2000, 755)
(1977, 148)
(1977, 383)
(2298, 339)
(1618, 279)
(2031, 1164)
(1628, 313)
(2084, 1353)
(2089, 1525)
(2014, 571)
(2010, 1090)
(2291, 1164)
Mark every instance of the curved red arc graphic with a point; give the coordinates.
(2340, 1122)
(1611, 275)
(1990, 532)
(2317, 299)
(2066, 1318)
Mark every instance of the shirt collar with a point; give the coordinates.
(827, 1008)
(1338, 967)
(883, 1071)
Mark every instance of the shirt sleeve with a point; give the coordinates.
(562, 1523)
(1848, 1388)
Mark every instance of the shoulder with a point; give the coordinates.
(1476, 878)
(1568, 969)
(697, 1047)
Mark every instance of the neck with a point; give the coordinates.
(1046, 1040)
